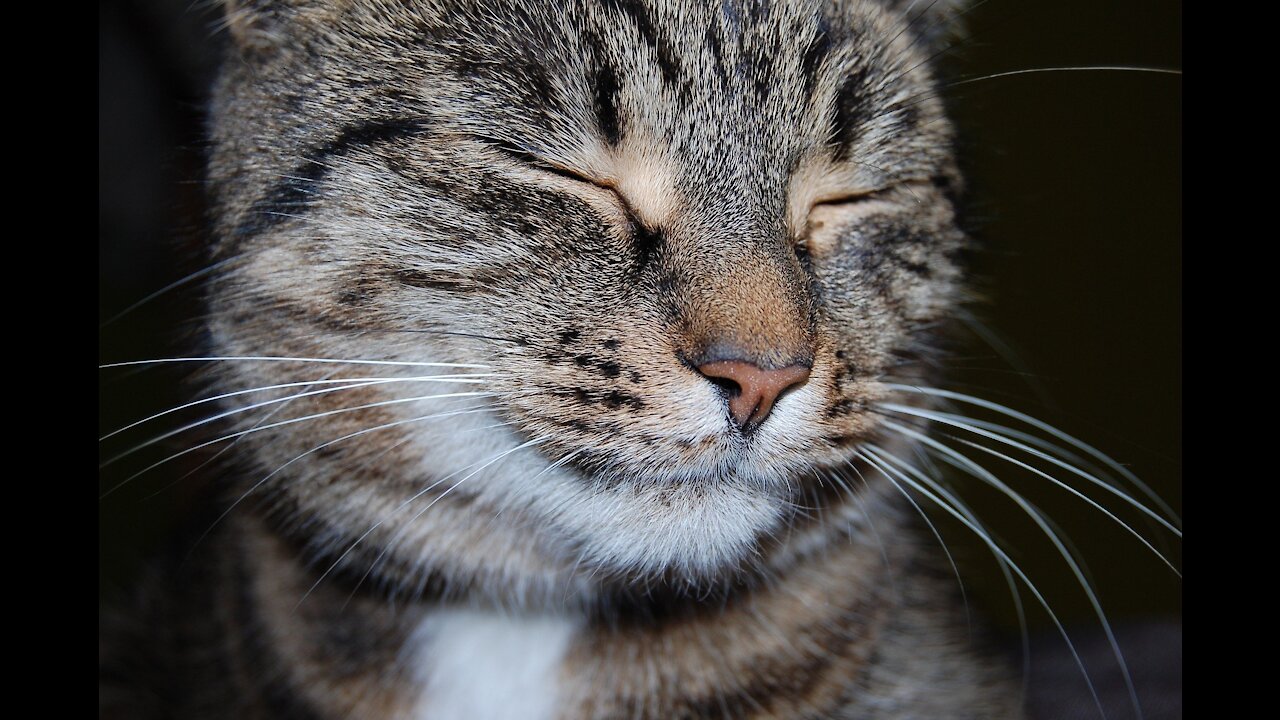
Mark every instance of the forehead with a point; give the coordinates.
(715, 83)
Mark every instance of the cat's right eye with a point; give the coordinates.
(528, 159)
(574, 176)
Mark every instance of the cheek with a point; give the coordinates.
(875, 269)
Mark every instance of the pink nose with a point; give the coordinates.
(752, 389)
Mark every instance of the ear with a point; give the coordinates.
(257, 27)
(935, 22)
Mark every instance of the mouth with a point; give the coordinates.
(758, 458)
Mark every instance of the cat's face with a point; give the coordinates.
(678, 249)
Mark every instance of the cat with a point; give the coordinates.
(662, 259)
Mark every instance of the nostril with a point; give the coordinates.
(732, 389)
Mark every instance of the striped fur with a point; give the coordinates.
(583, 198)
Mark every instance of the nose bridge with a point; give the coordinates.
(746, 297)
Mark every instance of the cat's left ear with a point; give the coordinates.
(936, 22)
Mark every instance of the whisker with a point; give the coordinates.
(884, 552)
(322, 446)
(274, 411)
(264, 358)
(395, 539)
(451, 333)
(1016, 596)
(1045, 445)
(1016, 569)
(927, 95)
(956, 421)
(964, 595)
(566, 458)
(1059, 483)
(167, 288)
(249, 408)
(1041, 425)
(890, 424)
(1084, 68)
(1037, 516)
(378, 524)
(290, 421)
(361, 382)
(1068, 488)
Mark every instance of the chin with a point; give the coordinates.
(689, 532)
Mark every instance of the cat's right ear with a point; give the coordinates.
(257, 27)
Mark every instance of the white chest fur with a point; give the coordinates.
(474, 664)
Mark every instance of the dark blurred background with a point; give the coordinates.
(1076, 181)
(1076, 200)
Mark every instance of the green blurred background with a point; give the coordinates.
(1076, 188)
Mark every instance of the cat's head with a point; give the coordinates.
(664, 253)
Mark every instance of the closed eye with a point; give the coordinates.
(827, 213)
(569, 174)
(528, 159)
(849, 198)
(641, 232)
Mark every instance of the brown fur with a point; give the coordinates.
(579, 205)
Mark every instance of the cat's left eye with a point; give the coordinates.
(828, 213)
(848, 198)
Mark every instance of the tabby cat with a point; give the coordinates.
(591, 335)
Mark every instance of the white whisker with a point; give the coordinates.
(862, 504)
(282, 423)
(1075, 492)
(958, 422)
(265, 418)
(955, 569)
(1016, 569)
(378, 524)
(470, 378)
(267, 358)
(1087, 68)
(1046, 427)
(1043, 444)
(322, 446)
(1036, 516)
(395, 539)
(956, 502)
(175, 284)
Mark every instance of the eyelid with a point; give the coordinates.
(842, 207)
(573, 175)
(531, 160)
(534, 162)
(849, 198)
